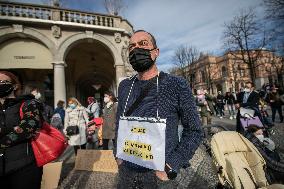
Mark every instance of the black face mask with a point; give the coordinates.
(140, 59)
(5, 89)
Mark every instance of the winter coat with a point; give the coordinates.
(252, 101)
(220, 100)
(93, 110)
(210, 100)
(79, 117)
(276, 99)
(202, 107)
(109, 121)
(15, 147)
(230, 99)
(61, 112)
(47, 112)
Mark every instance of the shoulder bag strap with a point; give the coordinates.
(143, 94)
(90, 108)
(21, 110)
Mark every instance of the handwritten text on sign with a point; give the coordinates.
(138, 149)
(142, 141)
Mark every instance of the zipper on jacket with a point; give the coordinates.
(2, 155)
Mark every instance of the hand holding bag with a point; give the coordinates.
(48, 144)
(73, 129)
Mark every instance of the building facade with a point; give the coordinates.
(64, 52)
(230, 73)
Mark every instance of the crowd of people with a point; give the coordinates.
(18, 167)
(250, 109)
(142, 122)
(221, 104)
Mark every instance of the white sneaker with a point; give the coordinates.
(231, 117)
(235, 117)
(221, 117)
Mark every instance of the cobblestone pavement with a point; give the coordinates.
(199, 175)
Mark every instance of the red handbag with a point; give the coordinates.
(48, 144)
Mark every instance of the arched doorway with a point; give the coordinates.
(90, 70)
(219, 87)
(30, 60)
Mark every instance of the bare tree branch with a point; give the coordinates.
(274, 10)
(114, 7)
(244, 38)
(183, 57)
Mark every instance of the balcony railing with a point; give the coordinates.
(31, 11)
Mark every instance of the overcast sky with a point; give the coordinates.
(175, 22)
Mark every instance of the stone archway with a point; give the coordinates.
(65, 47)
(219, 87)
(68, 44)
(29, 54)
(89, 61)
(18, 31)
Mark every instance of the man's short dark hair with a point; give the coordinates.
(153, 40)
(251, 83)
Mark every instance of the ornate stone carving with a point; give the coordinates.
(124, 55)
(117, 37)
(18, 28)
(56, 31)
(126, 43)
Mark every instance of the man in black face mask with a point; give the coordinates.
(143, 53)
(154, 94)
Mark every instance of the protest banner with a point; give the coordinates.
(142, 141)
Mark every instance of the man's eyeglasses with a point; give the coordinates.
(142, 43)
(5, 82)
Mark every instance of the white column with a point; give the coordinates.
(59, 82)
(120, 74)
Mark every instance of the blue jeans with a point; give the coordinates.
(231, 109)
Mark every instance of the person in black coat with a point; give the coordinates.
(230, 101)
(273, 98)
(18, 167)
(220, 104)
(247, 99)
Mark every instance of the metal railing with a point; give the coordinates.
(42, 12)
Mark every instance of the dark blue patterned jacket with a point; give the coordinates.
(176, 104)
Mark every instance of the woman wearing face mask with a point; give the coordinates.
(109, 117)
(266, 147)
(76, 115)
(18, 168)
